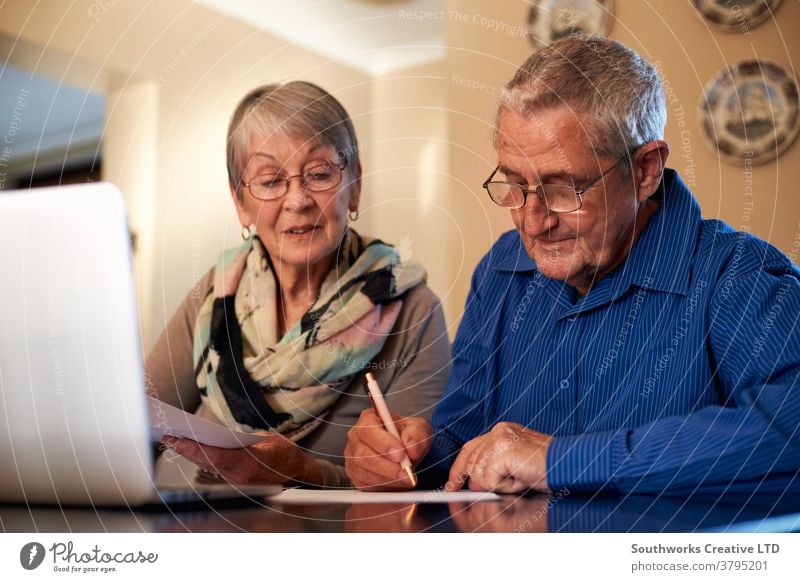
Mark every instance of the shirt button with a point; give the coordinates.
(564, 384)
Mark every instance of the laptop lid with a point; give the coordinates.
(73, 418)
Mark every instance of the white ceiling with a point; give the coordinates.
(374, 36)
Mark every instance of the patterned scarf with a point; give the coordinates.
(254, 380)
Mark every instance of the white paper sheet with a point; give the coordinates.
(165, 419)
(311, 496)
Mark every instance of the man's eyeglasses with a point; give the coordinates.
(556, 197)
(316, 179)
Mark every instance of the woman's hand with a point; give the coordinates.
(275, 461)
(373, 455)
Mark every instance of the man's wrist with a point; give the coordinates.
(583, 462)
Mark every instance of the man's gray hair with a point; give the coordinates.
(619, 93)
(298, 109)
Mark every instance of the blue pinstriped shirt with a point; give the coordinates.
(677, 371)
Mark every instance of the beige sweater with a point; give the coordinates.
(412, 368)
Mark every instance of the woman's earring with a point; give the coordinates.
(248, 232)
(353, 215)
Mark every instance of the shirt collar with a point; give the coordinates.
(659, 260)
(510, 255)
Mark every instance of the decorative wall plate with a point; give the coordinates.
(549, 20)
(751, 110)
(737, 15)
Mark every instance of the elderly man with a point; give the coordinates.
(615, 341)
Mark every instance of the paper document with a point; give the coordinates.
(311, 496)
(165, 419)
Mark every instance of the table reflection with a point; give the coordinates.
(765, 507)
(382, 517)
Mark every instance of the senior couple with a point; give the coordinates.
(655, 351)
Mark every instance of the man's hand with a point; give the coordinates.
(372, 456)
(275, 461)
(508, 459)
(510, 514)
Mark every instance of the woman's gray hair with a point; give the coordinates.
(298, 109)
(619, 93)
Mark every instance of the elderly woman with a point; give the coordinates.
(286, 323)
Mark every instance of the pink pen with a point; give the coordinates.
(379, 405)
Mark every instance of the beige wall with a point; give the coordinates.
(404, 199)
(130, 160)
(485, 44)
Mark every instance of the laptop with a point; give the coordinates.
(74, 423)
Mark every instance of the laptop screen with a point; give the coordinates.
(73, 417)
